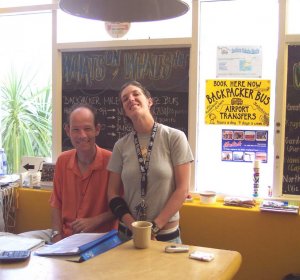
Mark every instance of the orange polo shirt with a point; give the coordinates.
(81, 196)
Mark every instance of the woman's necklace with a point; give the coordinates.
(144, 150)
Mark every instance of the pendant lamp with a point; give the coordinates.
(125, 10)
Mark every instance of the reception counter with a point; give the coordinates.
(126, 262)
(268, 242)
(33, 209)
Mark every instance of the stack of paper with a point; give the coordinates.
(12, 242)
(6, 180)
(279, 206)
(82, 246)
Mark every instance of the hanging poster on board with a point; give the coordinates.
(237, 102)
(291, 162)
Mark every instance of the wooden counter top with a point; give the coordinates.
(126, 262)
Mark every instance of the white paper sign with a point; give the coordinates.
(239, 61)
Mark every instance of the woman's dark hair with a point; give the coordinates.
(144, 91)
(83, 105)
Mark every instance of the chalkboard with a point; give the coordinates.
(291, 168)
(95, 77)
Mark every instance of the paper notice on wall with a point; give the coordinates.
(237, 102)
(239, 61)
(244, 145)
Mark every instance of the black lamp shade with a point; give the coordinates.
(125, 10)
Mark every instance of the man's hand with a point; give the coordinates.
(84, 225)
(56, 238)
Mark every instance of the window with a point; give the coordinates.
(234, 23)
(293, 26)
(25, 55)
(18, 3)
(26, 46)
(220, 23)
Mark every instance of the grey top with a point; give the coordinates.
(170, 148)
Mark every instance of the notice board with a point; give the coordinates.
(95, 77)
(291, 166)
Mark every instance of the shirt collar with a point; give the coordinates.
(96, 164)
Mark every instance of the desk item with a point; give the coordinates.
(189, 198)
(176, 249)
(30, 179)
(202, 256)
(82, 246)
(239, 201)
(32, 164)
(47, 175)
(256, 166)
(3, 162)
(71, 245)
(141, 231)
(7, 180)
(14, 256)
(208, 197)
(128, 263)
(7, 207)
(280, 206)
(11, 242)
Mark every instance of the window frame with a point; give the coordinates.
(194, 44)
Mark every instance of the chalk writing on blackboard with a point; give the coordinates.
(291, 166)
(96, 77)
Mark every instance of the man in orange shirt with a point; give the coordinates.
(79, 198)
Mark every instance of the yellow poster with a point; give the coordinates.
(237, 102)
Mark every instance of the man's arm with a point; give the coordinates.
(56, 224)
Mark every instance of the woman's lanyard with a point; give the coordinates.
(141, 208)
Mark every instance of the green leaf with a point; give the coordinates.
(26, 124)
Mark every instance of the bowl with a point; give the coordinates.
(208, 197)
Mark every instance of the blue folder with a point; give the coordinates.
(99, 246)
